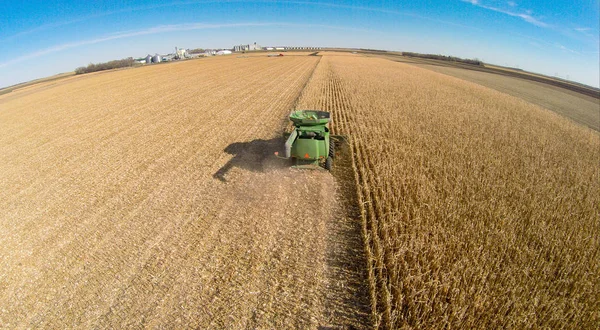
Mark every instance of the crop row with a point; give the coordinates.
(479, 210)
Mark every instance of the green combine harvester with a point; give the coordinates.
(310, 144)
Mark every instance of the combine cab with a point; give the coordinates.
(309, 144)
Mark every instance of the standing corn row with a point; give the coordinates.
(477, 207)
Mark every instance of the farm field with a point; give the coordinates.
(582, 109)
(150, 198)
(480, 210)
(22, 86)
(131, 198)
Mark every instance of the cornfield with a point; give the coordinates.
(150, 197)
(479, 210)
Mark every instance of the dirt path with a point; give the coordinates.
(128, 206)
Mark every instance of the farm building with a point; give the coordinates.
(241, 48)
(291, 48)
(249, 47)
(181, 53)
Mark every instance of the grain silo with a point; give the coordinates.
(156, 58)
(148, 59)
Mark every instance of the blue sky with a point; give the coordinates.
(552, 37)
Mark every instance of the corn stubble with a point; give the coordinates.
(151, 198)
(479, 210)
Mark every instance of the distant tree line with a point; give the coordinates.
(126, 62)
(374, 50)
(443, 58)
(196, 51)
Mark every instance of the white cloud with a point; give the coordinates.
(386, 11)
(162, 29)
(42, 28)
(567, 49)
(526, 16)
(588, 33)
(512, 3)
(50, 26)
(543, 44)
(197, 2)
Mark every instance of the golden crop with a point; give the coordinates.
(480, 210)
(149, 197)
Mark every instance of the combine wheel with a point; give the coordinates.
(328, 163)
(331, 149)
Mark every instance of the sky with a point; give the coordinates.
(552, 37)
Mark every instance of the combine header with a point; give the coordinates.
(309, 145)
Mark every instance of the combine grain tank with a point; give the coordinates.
(309, 144)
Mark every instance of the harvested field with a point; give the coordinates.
(132, 199)
(479, 210)
(22, 86)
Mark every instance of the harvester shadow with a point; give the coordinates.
(256, 156)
